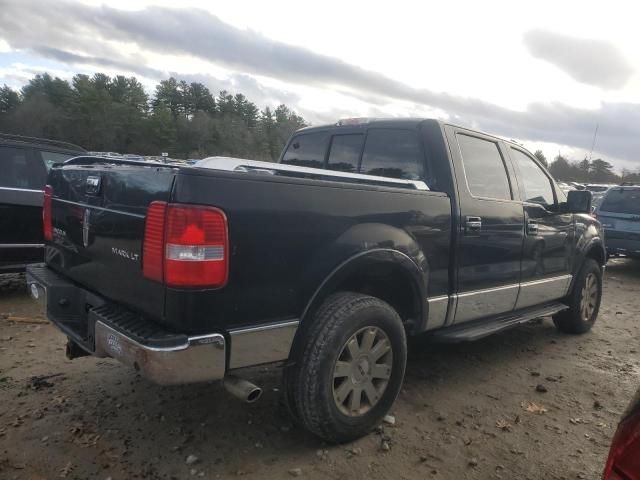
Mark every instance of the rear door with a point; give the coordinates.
(547, 257)
(491, 226)
(22, 178)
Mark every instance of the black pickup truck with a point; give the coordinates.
(364, 233)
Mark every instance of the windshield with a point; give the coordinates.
(620, 200)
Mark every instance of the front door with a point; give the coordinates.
(548, 245)
(491, 232)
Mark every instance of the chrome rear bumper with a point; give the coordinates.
(106, 330)
(199, 359)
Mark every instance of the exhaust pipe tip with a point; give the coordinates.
(242, 389)
(254, 395)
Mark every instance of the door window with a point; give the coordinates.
(18, 170)
(345, 153)
(307, 150)
(392, 153)
(537, 186)
(484, 168)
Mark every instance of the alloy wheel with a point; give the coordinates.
(362, 371)
(589, 297)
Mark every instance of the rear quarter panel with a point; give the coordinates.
(288, 235)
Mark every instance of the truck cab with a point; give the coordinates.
(516, 241)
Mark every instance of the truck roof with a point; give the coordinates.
(397, 122)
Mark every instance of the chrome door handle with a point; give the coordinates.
(472, 225)
(532, 227)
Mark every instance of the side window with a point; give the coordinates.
(393, 153)
(307, 150)
(537, 186)
(19, 171)
(344, 153)
(484, 168)
(49, 158)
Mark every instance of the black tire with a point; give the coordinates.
(311, 382)
(574, 319)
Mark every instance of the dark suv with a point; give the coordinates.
(619, 213)
(24, 163)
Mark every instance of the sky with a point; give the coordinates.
(544, 73)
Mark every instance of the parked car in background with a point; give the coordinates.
(24, 162)
(565, 187)
(596, 188)
(597, 191)
(619, 214)
(623, 462)
(364, 233)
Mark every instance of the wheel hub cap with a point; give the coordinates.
(362, 371)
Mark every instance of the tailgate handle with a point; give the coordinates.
(473, 225)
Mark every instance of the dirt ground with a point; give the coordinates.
(471, 410)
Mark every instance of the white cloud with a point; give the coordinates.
(465, 60)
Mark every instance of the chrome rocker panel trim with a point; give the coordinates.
(438, 307)
(262, 344)
(535, 292)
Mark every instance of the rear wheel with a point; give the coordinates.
(351, 368)
(584, 300)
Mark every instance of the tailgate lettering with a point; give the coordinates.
(121, 252)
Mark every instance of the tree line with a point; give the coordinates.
(586, 171)
(103, 113)
(589, 171)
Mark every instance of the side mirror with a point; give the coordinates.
(579, 201)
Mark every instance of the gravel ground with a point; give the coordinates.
(529, 403)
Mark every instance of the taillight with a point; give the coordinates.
(153, 247)
(624, 456)
(186, 245)
(47, 220)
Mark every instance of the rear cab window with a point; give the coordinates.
(394, 153)
(307, 150)
(344, 153)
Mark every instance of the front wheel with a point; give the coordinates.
(351, 368)
(584, 300)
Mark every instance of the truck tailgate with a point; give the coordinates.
(98, 216)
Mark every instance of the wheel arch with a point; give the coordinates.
(595, 250)
(387, 274)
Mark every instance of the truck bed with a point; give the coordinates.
(287, 234)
